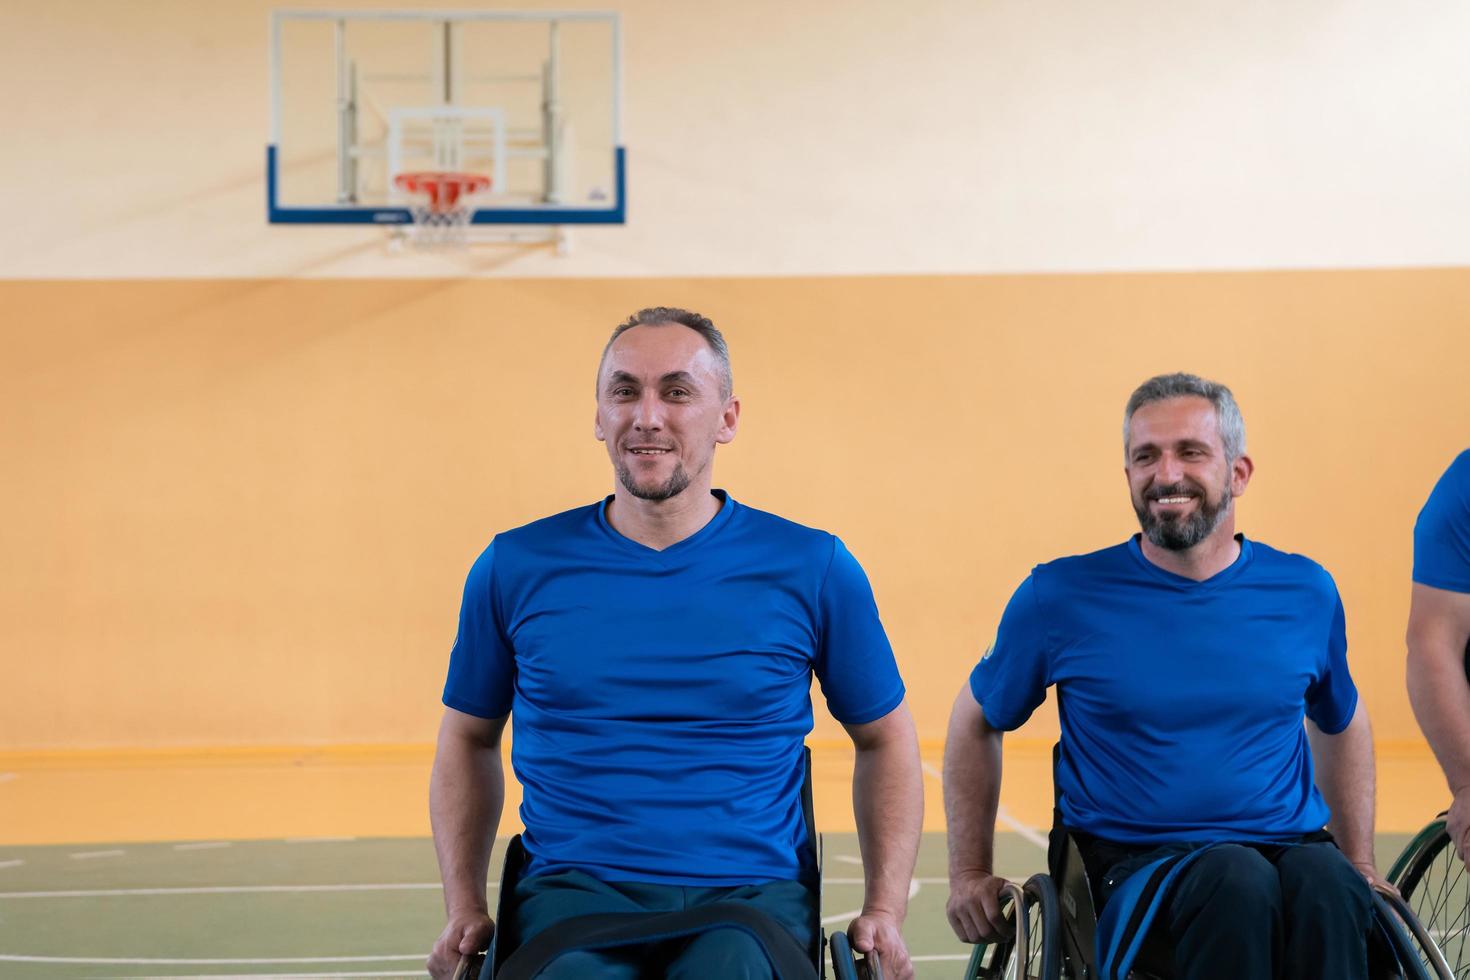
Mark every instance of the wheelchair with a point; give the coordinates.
(1053, 919)
(1432, 879)
(510, 959)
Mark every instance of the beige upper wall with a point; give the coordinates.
(821, 138)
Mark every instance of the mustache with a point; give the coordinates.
(1174, 490)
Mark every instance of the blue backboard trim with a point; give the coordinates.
(349, 215)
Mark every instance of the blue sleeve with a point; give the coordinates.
(1010, 681)
(1333, 697)
(482, 665)
(854, 660)
(1442, 532)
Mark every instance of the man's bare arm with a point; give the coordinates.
(888, 802)
(466, 794)
(1439, 629)
(1345, 777)
(972, 766)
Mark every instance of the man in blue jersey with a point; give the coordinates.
(655, 651)
(1439, 636)
(1185, 660)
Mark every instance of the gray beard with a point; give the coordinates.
(1183, 533)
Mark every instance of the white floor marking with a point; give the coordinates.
(232, 890)
(848, 859)
(398, 974)
(88, 855)
(828, 920)
(104, 961)
(1002, 815)
(202, 845)
(6, 777)
(12, 864)
(317, 840)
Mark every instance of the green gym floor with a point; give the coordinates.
(321, 865)
(331, 908)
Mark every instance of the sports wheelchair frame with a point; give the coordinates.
(508, 958)
(1053, 918)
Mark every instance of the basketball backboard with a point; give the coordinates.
(531, 100)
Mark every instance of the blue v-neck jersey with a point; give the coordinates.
(1181, 702)
(659, 700)
(1442, 532)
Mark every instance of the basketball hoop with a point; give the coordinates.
(441, 217)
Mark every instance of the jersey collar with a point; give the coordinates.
(1225, 575)
(721, 518)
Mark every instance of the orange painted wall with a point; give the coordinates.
(239, 512)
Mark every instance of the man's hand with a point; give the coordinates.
(1457, 822)
(879, 930)
(467, 932)
(974, 908)
(1376, 881)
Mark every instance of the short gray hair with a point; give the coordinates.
(653, 316)
(1180, 385)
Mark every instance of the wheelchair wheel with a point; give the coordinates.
(845, 963)
(1041, 927)
(1432, 879)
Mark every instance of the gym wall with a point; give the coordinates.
(247, 467)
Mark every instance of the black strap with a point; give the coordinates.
(605, 931)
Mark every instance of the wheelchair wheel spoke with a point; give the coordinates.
(1436, 887)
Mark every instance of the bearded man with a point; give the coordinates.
(1185, 660)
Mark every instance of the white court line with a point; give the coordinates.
(12, 864)
(202, 845)
(828, 920)
(859, 881)
(1002, 815)
(317, 840)
(835, 917)
(848, 859)
(88, 855)
(104, 961)
(1025, 830)
(231, 890)
(396, 974)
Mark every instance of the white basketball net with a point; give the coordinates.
(441, 228)
(442, 209)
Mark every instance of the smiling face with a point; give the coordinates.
(661, 411)
(1179, 476)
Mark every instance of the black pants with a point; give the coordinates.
(1256, 911)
